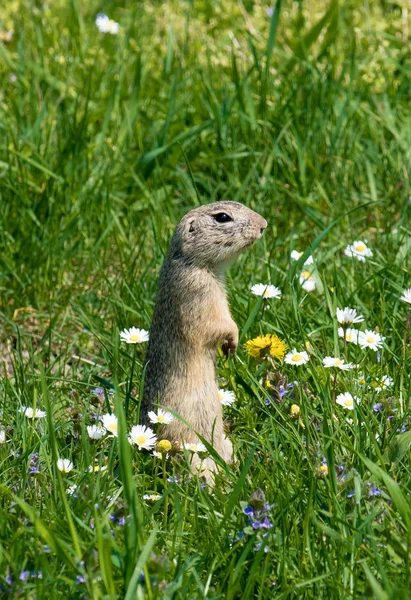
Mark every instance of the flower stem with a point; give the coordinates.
(130, 384)
(163, 464)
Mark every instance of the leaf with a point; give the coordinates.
(399, 446)
(400, 502)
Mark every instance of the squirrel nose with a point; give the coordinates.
(264, 225)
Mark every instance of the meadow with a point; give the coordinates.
(112, 127)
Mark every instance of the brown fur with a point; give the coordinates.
(192, 317)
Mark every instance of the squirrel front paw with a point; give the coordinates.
(229, 346)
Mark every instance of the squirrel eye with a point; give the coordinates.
(222, 218)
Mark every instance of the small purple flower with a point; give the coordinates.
(98, 392)
(351, 494)
(379, 407)
(374, 491)
(34, 470)
(378, 356)
(24, 575)
(38, 575)
(121, 521)
(9, 580)
(282, 391)
(80, 579)
(240, 535)
(248, 510)
(258, 546)
(403, 429)
(113, 517)
(269, 12)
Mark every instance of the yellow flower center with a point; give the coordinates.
(135, 337)
(265, 294)
(296, 357)
(113, 427)
(349, 337)
(370, 339)
(306, 275)
(348, 402)
(360, 247)
(338, 362)
(361, 381)
(220, 396)
(141, 439)
(160, 418)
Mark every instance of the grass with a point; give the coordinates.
(106, 141)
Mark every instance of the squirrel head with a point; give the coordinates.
(213, 235)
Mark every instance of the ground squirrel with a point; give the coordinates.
(191, 317)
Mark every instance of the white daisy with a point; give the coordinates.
(194, 447)
(330, 361)
(134, 335)
(296, 358)
(347, 401)
(307, 281)
(226, 397)
(2, 435)
(347, 316)
(106, 25)
(143, 437)
(265, 290)
(370, 339)
(65, 465)
(96, 468)
(385, 382)
(32, 413)
(95, 432)
(351, 335)
(297, 255)
(358, 250)
(110, 423)
(406, 296)
(152, 497)
(162, 417)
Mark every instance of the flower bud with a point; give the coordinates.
(164, 446)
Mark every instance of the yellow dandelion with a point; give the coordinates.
(295, 411)
(264, 345)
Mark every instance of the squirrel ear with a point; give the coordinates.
(190, 224)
